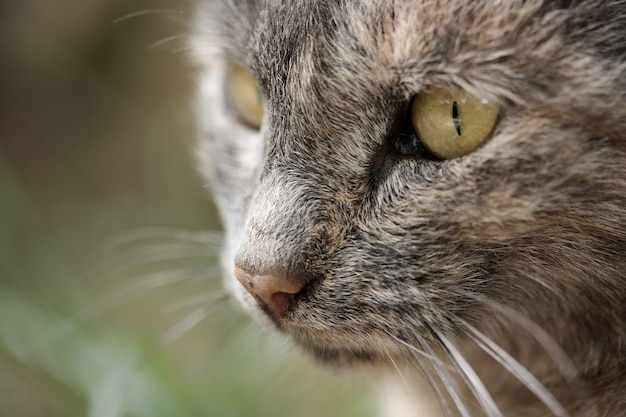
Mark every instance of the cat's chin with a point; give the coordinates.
(344, 351)
(342, 357)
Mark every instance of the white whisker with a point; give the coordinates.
(404, 381)
(186, 324)
(216, 296)
(566, 367)
(140, 285)
(473, 381)
(147, 12)
(152, 254)
(445, 405)
(174, 276)
(427, 353)
(516, 369)
(169, 39)
(135, 236)
(182, 50)
(161, 279)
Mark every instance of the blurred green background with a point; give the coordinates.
(110, 300)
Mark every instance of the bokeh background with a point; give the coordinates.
(110, 299)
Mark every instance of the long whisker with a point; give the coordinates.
(566, 366)
(429, 354)
(189, 322)
(169, 39)
(472, 379)
(511, 364)
(216, 296)
(135, 236)
(442, 398)
(404, 381)
(424, 371)
(143, 284)
(515, 368)
(153, 254)
(147, 12)
(158, 247)
(160, 279)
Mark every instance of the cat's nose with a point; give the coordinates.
(273, 290)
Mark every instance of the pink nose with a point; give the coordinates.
(272, 290)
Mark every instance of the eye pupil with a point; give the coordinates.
(473, 119)
(456, 118)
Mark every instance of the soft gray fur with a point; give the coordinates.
(501, 274)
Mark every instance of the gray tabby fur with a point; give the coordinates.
(502, 274)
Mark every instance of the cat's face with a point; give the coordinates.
(389, 242)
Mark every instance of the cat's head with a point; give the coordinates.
(413, 169)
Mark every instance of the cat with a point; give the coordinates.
(433, 188)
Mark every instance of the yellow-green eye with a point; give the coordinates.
(450, 122)
(244, 96)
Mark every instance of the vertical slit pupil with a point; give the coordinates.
(456, 118)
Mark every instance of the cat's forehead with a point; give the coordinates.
(330, 66)
(451, 41)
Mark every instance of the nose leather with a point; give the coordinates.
(272, 290)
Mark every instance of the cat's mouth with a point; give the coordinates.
(338, 336)
(334, 338)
